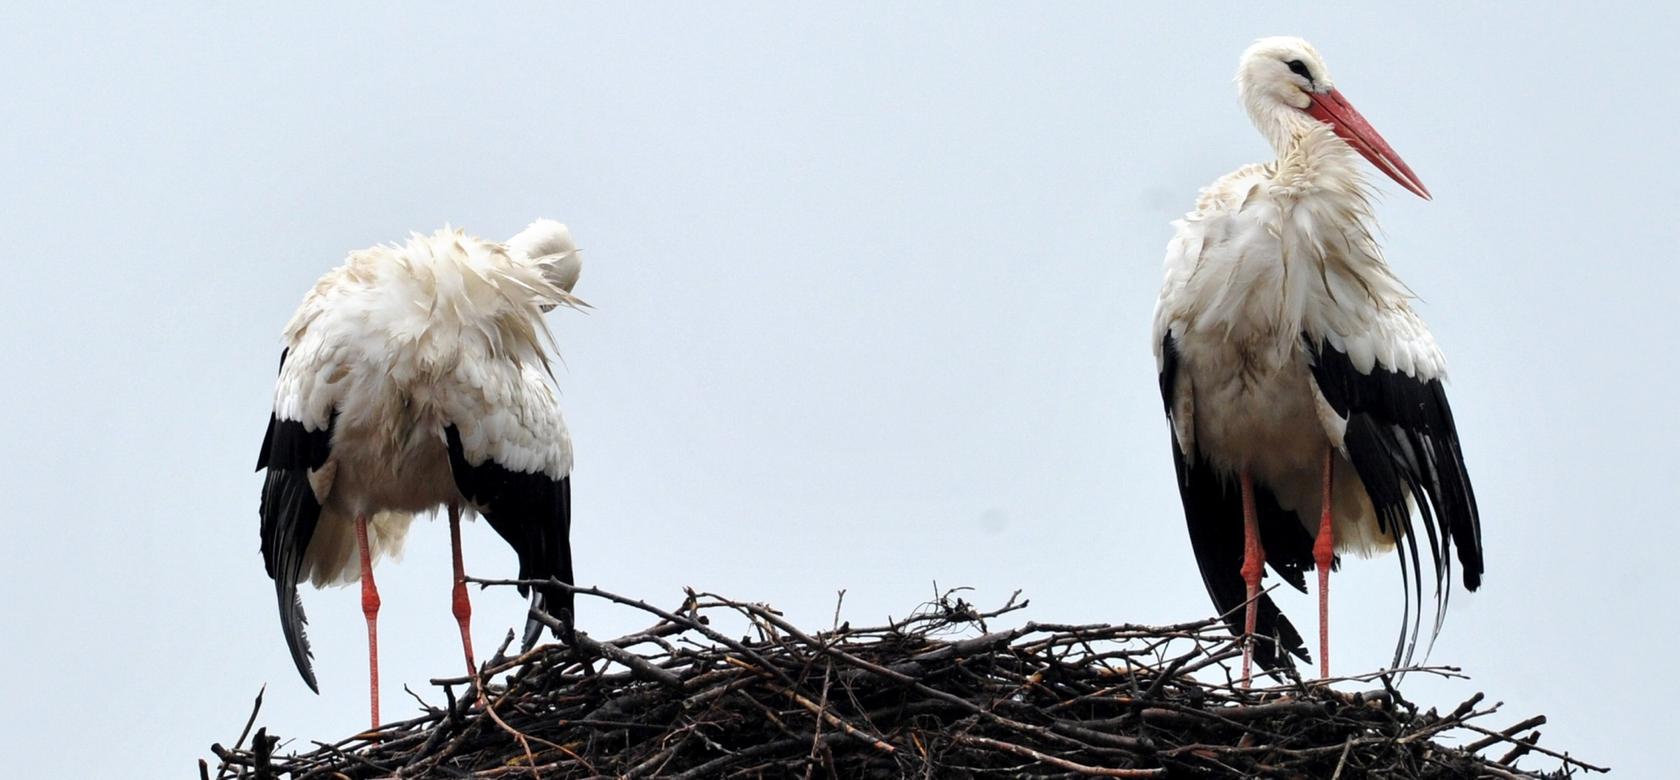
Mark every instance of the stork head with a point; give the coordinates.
(1285, 86)
(549, 245)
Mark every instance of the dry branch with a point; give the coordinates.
(937, 694)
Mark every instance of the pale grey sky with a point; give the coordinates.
(873, 291)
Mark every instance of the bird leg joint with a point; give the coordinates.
(462, 607)
(370, 598)
(370, 591)
(1324, 549)
(1253, 566)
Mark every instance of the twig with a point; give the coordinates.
(1060, 763)
(244, 732)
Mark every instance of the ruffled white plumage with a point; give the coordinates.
(400, 341)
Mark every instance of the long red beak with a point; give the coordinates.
(1334, 110)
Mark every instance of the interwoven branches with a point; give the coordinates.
(938, 694)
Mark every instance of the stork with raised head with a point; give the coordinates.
(1305, 396)
(416, 377)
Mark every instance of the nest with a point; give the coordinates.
(938, 694)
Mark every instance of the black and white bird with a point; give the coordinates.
(416, 377)
(1305, 396)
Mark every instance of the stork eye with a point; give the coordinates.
(1300, 69)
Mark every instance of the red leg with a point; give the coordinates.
(461, 606)
(1254, 563)
(1324, 551)
(370, 610)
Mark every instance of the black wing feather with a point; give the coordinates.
(1213, 512)
(533, 513)
(1403, 444)
(289, 513)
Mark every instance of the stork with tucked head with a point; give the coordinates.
(416, 377)
(1305, 396)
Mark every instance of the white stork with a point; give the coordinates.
(415, 377)
(1305, 400)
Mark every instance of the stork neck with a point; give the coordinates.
(1284, 126)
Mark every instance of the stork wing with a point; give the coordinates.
(513, 463)
(290, 451)
(1385, 387)
(1213, 512)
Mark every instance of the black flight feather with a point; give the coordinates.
(289, 513)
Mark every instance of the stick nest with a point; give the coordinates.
(939, 694)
